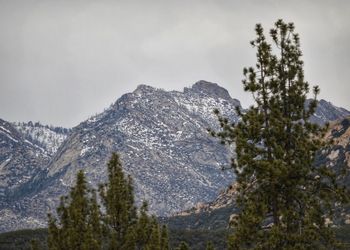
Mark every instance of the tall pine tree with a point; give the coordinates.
(183, 246)
(284, 199)
(126, 227)
(118, 199)
(78, 225)
(164, 241)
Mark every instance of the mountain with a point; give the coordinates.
(163, 142)
(164, 145)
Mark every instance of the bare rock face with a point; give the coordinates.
(162, 139)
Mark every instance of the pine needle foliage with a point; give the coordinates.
(118, 199)
(183, 246)
(78, 225)
(210, 246)
(164, 240)
(284, 199)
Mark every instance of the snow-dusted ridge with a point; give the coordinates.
(161, 136)
(47, 138)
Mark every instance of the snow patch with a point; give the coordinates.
(9, 136)
(1, 127)
(85, 150)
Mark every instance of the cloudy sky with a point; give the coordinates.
(62, 61)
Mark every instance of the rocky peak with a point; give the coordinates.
(144, 89)
(209, 88)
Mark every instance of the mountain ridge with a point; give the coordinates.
(163, 141)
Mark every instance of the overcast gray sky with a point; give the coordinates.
(62, 61)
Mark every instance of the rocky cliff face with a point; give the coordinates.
(160, 135)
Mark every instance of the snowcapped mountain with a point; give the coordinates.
(163, 142)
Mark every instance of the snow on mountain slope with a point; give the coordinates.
(20, 160)
(46, 137)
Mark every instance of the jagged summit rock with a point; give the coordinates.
(144, 88)
(209, 88)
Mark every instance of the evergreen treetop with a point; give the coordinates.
(79, 224)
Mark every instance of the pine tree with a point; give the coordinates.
(127, 228)
(94, 232)
(118, 199)
(164, 241)
(210, 246)
(148, 232)
(78, 226)
(284, 199)
(183, 246)
(34, 244)
(142, 229)
(78, 213)
(53, 238)
(154, 242)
